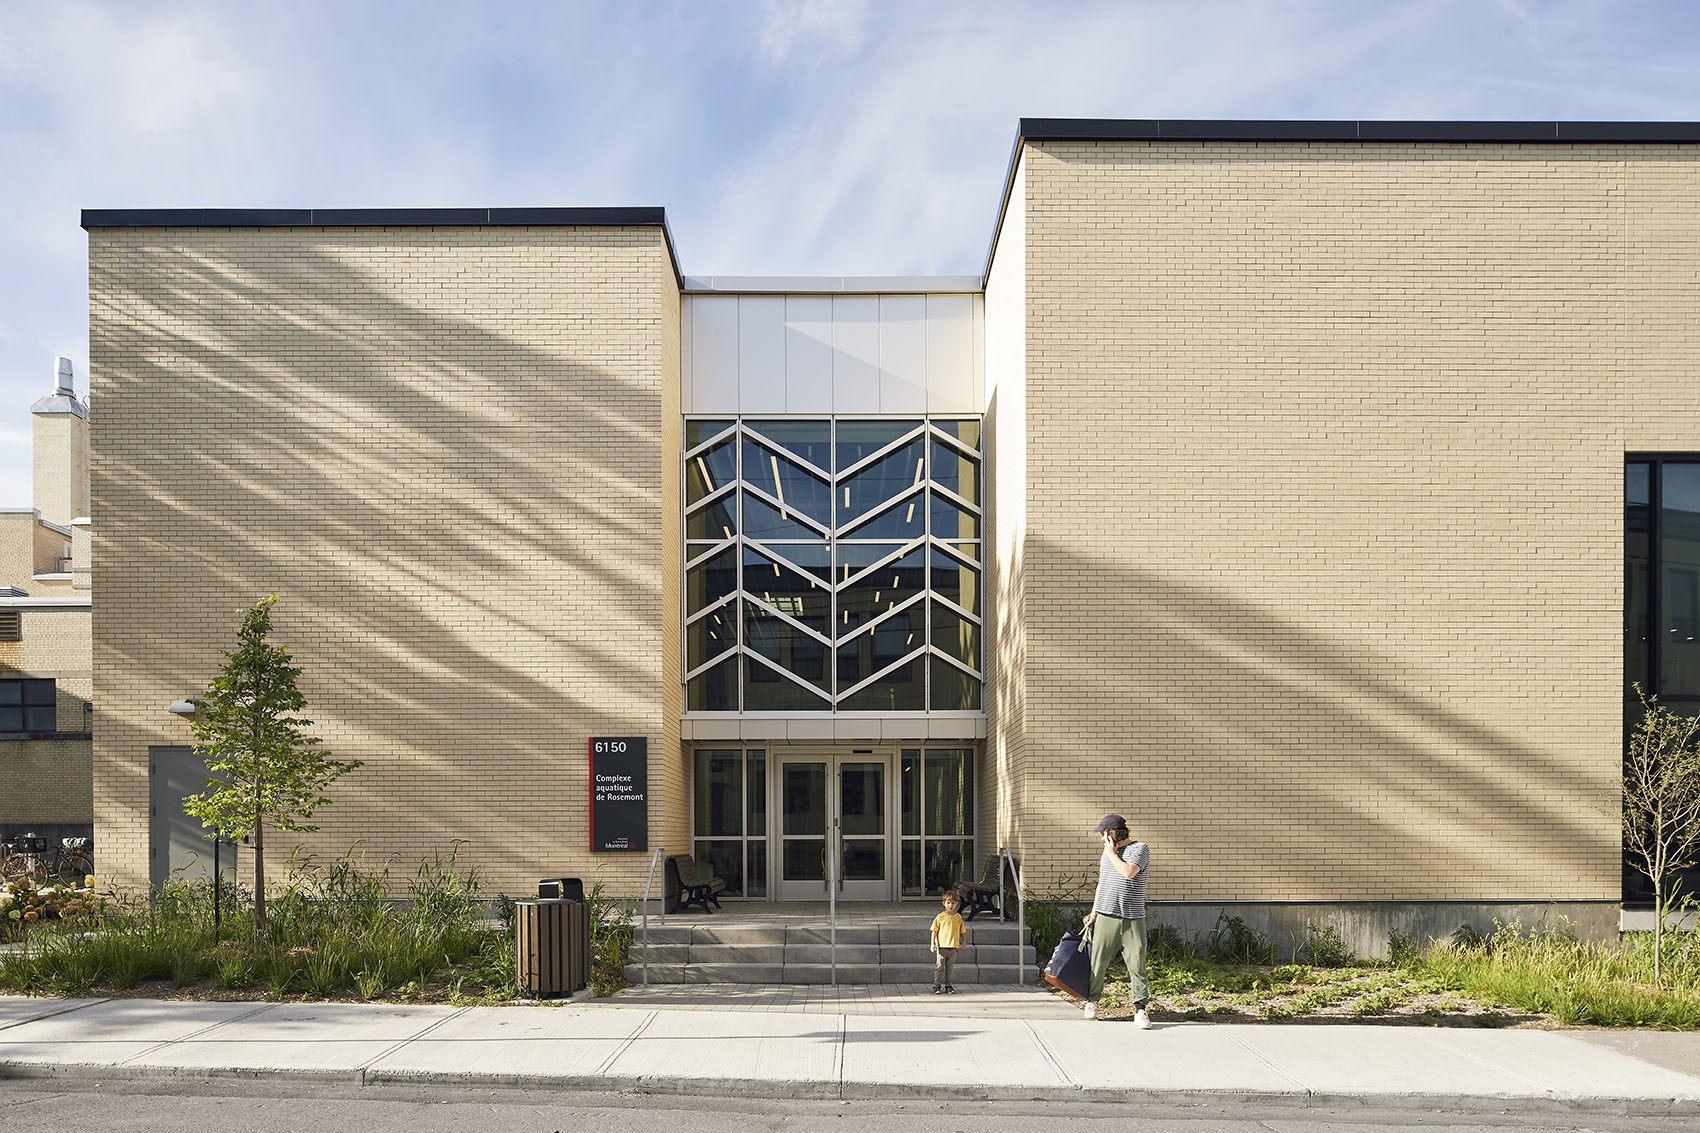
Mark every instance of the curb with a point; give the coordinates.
(772, 1090)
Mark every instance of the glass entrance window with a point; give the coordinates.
(729, 817)
(862, 820)
(850, 551)
(936, 810)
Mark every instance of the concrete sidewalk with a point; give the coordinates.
(776, 1053)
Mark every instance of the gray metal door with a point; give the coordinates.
(176, 849)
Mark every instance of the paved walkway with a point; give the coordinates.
(789, 1053)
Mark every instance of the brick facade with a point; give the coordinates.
(447, 449)
(1304, 544)
(1324, 559)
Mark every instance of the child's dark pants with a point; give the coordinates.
(943, 966)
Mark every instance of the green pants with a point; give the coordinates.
(1109, 936)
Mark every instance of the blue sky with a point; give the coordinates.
(806, 137)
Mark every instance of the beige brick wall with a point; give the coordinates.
(670, 767)
(55, 645)
(60, 454)
(45, 781)
(17, 548)
(1003, 759)
(50, 546)
(27, 546)
(1325, 550)
(447, 449)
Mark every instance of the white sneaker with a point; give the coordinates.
(1091, 1010)
(1141, 1021)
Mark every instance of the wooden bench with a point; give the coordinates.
(980, 896)
(686, 887)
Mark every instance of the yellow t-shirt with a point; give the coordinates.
(949, 929)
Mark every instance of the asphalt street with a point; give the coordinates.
(123, 1106)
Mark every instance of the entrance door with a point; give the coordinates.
(843, 801)
(176, 849)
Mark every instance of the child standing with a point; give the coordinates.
(949, 934)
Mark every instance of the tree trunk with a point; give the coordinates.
(259, 827)
(259, 883)
(1658, 862)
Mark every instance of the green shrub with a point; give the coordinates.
(610, 943)
(1576, 983)
(1166, 941)
(233, 966)
(1054, 911)
(1326, 949)
(1235, 942)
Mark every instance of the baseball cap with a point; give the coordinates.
(1110, 822)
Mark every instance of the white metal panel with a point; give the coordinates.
(950, 354)
(761, 354)
(687, 312)
(855, 354)
(903, 354)
(808, 354)
(714, 354)
(979, 353)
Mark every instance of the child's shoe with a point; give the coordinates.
(1141, 1020)
(937, 990)
(950, 989)
(1091, 1009)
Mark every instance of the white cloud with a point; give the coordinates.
(793, 136)
(834, 26)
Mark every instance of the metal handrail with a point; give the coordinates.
(1004, 855)
(643, 908)
(832, 909)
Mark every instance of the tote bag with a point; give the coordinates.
(1070, 969)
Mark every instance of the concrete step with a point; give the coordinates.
(821, 973)
(658, 933)
(662, 953)
(730, 951)
(822, 954)
(967, 954)
(823, 934)
(710, 953)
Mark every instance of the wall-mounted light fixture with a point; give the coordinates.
(183, 707)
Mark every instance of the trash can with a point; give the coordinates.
(553, 942)
(561, 888)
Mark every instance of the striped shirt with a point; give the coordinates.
(1120, 896)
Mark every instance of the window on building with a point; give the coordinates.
(1661, 591)
(937, 819)
(11, 625)
(1661, 601)
(27, 705)
(729, 818)
(833, 564)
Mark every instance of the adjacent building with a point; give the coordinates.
(46, 675)
(1268, 487)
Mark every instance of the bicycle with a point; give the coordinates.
(28, 859)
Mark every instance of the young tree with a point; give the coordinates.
(1661, 804)
(265, 769)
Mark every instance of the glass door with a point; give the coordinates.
(803, 822)
(864, 845)
(839, 801)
